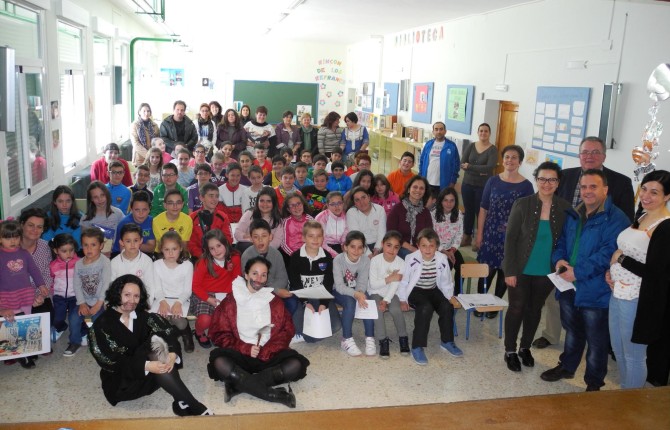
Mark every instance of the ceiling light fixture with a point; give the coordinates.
(296, 3)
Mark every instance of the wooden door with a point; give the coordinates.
(506, 134)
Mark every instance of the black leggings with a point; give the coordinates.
(501, 287)
(257, 384)
(172, 383)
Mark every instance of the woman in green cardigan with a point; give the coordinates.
(534, 225)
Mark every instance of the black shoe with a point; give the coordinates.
(27, 362)
(556, 374)
(384, 348)
(592, 388)
(187, 339)
(404, 345)
(512, 360)
(229, 391)
(526, 357)
(211, 371)
(478, 314)
(181, 409)
(491, 315)
(204, 341)
(284, 397)
(541, 343)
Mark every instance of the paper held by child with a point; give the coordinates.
(369, 313)
(317, 325)
(317, 293)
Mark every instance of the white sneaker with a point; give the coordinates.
(297, 339)
(370, 347)
(84, 341)
(349, 346)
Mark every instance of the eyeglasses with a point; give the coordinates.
(117, 172)
(295, 205)
(335, 204)
(594, 153)
(178, 203)
(168, 175)
(199, 152)
(552, 181)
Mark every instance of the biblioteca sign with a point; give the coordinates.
(426, 35)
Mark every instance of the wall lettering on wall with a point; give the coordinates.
(425, 35)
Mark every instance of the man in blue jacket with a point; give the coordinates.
(439, 161)
(584, 249)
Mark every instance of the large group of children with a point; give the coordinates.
(190, 221)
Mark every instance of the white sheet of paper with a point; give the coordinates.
(539, 107)
(562, 137)
(550, 126)
(220, 296)
(577, 121)
(550, 110)
(317, 326)
(563, 111)
(367, 314)
(319, 292)
(538, 131)
(469, 301)
(539, 119)
(578, 108)
(560, 283)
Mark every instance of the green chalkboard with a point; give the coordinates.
(276, 96)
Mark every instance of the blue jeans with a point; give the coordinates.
(299, 318)
(291, 303)
(472, 199)
(348, 304)
(631, 358)
(77, 320)
(67, 307)
(584, 325)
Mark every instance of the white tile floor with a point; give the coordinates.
(68, 388)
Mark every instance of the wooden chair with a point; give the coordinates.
(471, 271)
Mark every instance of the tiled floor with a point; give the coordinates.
(67, 388)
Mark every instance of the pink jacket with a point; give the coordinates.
(293, 233)
(334, 229)
(62, 273)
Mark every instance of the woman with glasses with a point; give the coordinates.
(500, 193)
(533, 227)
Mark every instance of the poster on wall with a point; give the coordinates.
(390, 98)
(460, 100)
(237, 105)
(422, 106)
(172, 77)
(301, 110)
(27, 335)
(368, 97)
(559, 123)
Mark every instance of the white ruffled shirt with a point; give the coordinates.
(253, 311)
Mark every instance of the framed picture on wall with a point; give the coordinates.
(368, 96)
(390, 99)
(422, 106)
(460, 99)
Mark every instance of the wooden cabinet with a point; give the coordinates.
(386, 151)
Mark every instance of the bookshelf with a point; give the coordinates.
(386, 151)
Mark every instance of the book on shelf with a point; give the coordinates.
(398, 129)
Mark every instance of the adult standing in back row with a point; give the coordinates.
(592, 154)
(479, 160)
(328, 136)
(439, 161)
(178, 128)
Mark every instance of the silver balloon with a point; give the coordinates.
(659, 83)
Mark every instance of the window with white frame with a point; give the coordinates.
(73, 94)
(26, 149)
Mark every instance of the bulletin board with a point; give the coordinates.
(391, 99)
(422, 106)
(559, 123)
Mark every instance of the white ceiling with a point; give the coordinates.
(215, 24)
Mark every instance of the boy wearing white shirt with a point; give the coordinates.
(131, 261)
